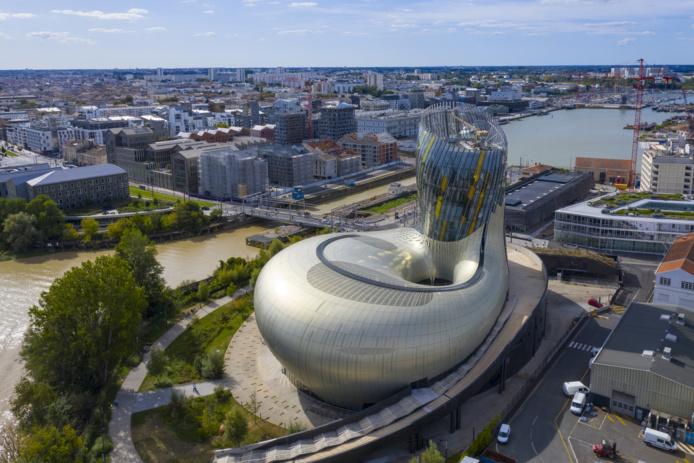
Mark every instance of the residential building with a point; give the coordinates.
(264, 131)
(667, 169)
(332, 160)
(674, 278)
(81, 186)
(375, 105)
(159, 125)
(606, 225)
(43, 136)
(94, 129)
(604, 171)
(290, 128)
(287, 166)
(396, 123)
(125, 147)
(417, 100)
(506, 93)
(84, 153)
(324, 166)
(373, 149)
(225, 173)
(213, 135)
(535, 169)
(289, 105)
(336, 121)
(185, 170)
(374, 78)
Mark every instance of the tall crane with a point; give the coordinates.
(690, 120)
(637, 124)
(309, 120)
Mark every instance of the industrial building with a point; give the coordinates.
(531, 203)
(225, 173)
(605, 224)
(604, 171)
(646, 365)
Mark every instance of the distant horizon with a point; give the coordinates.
(95, 34)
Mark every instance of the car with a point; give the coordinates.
(205, 208)
(595, 303)
(504, 433)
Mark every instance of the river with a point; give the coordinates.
(22, 282)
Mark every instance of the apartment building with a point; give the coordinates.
(288, 105)
(94, 129)
(125, 147)
(396, 123)
(373, 149)
(667, 168)
(43, 136)
(290, 128)
(81, 186)
(374, 78)
(332, 160)
(287, 166)
(336, 121)
(84, 153)
(225, 173)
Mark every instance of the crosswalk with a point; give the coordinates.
(580, 346)
(686, 448)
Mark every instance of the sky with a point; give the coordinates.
(88, 34)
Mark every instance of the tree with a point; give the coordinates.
(430, 455)
(253, 405)
(69, 233)
(275, 247)
(213, 366)
(203, 291)
(157, 362)
(141, 255)
(20, 231)
(221, 125)
(50, 220)
(236, 425)
(89, 228)
(52, 445)
(84, 325)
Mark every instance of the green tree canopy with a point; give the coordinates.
(20, 231)
(431, 455)
(141, 255)
(89, 228)
(50, 220)
(52, 445)
(84, 325)
(236, 425)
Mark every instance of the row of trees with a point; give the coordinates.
(83, 329)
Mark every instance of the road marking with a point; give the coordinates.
(559, 432)
(531, 436)
(620, 420)
(533, 445)
(572, 344)
(610, 418)
(685, 460)
(602, 317)
(534, 421)
(686, 447)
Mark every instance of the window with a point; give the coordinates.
(665, 281)
(688, 285)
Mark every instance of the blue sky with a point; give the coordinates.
(51, 34)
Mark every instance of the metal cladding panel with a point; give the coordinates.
(348, 315)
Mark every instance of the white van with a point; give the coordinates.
(659, 439)
(578, 403)
(572, 387)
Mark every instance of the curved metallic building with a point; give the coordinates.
(357, 317)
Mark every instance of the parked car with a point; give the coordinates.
(661, 440)
(578, 402)
(594, 303)
(504, 433)
(573, 387)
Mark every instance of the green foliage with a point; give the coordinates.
(385, 207)
(89, 228)
(231, 289)
(369, 90)
(430, 455)
(295, 426)
(483, 438)
(50, 220)
(127, 100)
(236, 425)
(178, 404)
(20, 231)
(101, 445)
(221, 125)
(275, 247)
(84, 326)
(141, 255)
(213, 366)
(70, 234)
(203, 291)
(158, 361)
(254, 276)
(52, 445)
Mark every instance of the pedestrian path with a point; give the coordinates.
(130, 401)
(581, 346)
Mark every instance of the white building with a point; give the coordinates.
(374, 78)
(396, 123)
(667, 168)
(507, 93)
(226, 173)
(674, 279)
(289, 105)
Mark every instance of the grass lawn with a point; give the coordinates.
(385, 207)
(209, 334)
(147, 194)
(193, 438)
(10, 153)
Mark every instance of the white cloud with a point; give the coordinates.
(645, 33)
(205, 34)
(353, 33)
(155, 29)
(625, 42)
(4, 16)
(131, 15)
(302, 4)
(249, 4)
(449, 30)
(299, 32)
(107, 31)
(692, 26)
(4, 36)
(485, 32)
(64, 37)
(611, 24)
(402, 26)
(208, 12)
(188, 1)
(273, 3)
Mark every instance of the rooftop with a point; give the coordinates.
(680, 255)
(644, 327)
(525, 194)
(76, 174)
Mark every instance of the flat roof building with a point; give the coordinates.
(373, 149)
(674, 279)
(604, 171)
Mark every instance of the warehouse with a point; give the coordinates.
(647, 363)
(531, 203)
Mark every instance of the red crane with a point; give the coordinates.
(690, 120)
(637, 124)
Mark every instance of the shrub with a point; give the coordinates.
(163, 381)
(179, 404)
(101, 444)
(213, 366)
(133, 360)
(231, 289)
(236, 425)
(295, 426)
(219, 391)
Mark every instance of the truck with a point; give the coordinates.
(490, 456)
(350, 183)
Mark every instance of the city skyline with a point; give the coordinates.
(261, 33)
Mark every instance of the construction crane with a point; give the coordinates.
(690, 120)
(637, 124)
(309, 120)
(479, 133)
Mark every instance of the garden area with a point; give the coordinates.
(385, 207)
(155, 195)
(624, 198)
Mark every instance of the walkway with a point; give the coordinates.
(130, 401)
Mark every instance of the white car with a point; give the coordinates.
(504, 433)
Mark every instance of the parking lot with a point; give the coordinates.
(544, 430)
